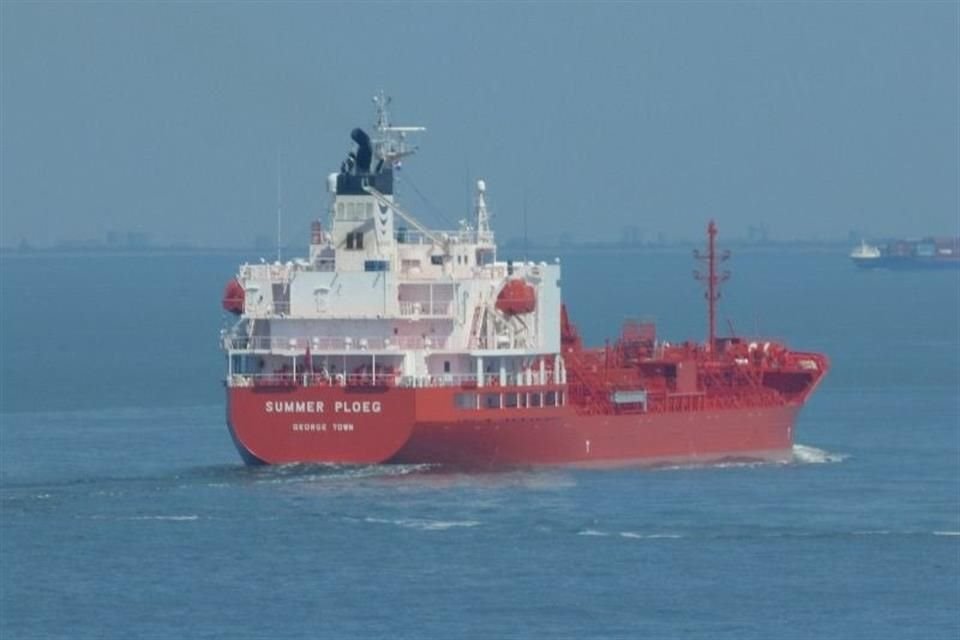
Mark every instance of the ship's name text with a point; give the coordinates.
(319, 406)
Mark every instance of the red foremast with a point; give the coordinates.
(712, 279)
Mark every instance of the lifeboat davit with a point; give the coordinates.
(517, 297)
(233, 297)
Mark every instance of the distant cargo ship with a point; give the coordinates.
(928, 253)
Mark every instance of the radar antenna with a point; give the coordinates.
(390, 144)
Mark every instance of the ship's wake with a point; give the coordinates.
(429, 476)
(803, 454)
(316, 473)
(439, 475)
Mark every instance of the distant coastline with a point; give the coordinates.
(105, 251)
(509, 249)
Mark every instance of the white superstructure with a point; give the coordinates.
(382, 295)
(865, 251)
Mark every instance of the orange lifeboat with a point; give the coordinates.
(233, 295)
(517, 297)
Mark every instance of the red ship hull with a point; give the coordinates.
(403, 425)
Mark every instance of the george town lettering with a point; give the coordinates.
(319, 406)
(322, 426)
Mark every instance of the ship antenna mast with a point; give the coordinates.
(526, 242)
(712, 280)
(483, 216)
(279, 206)
(390, 143)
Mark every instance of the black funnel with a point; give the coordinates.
(364, 151)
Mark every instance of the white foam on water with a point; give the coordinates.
(441, 525)
(398, 469)
(946, 533)
(299, 473)
(650, 536)
(175, 518)
(743, 464)
(713, 464)
(425, 525)
(802, 454)
(592, 532)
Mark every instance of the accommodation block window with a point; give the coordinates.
(355, 240)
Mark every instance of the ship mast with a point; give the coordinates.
(483, 216)
(390, 142)
(712, 280)
(279, 207)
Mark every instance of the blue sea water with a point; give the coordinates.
(125, 511)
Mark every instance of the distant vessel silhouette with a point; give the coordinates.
(928, 253)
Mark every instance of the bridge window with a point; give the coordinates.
(510, 400)
(550, 399)
(355, 240)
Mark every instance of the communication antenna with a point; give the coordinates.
(390, 141)
(279, 206)
(526, 245)
(712, 280)
(466, 180)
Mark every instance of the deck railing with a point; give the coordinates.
(322, 379)
(441, 308)
(319, 345)
(306, 379)
(472, 381)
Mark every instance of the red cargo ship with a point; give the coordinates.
(394, 343)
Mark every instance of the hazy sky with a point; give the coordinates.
(813, 119)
